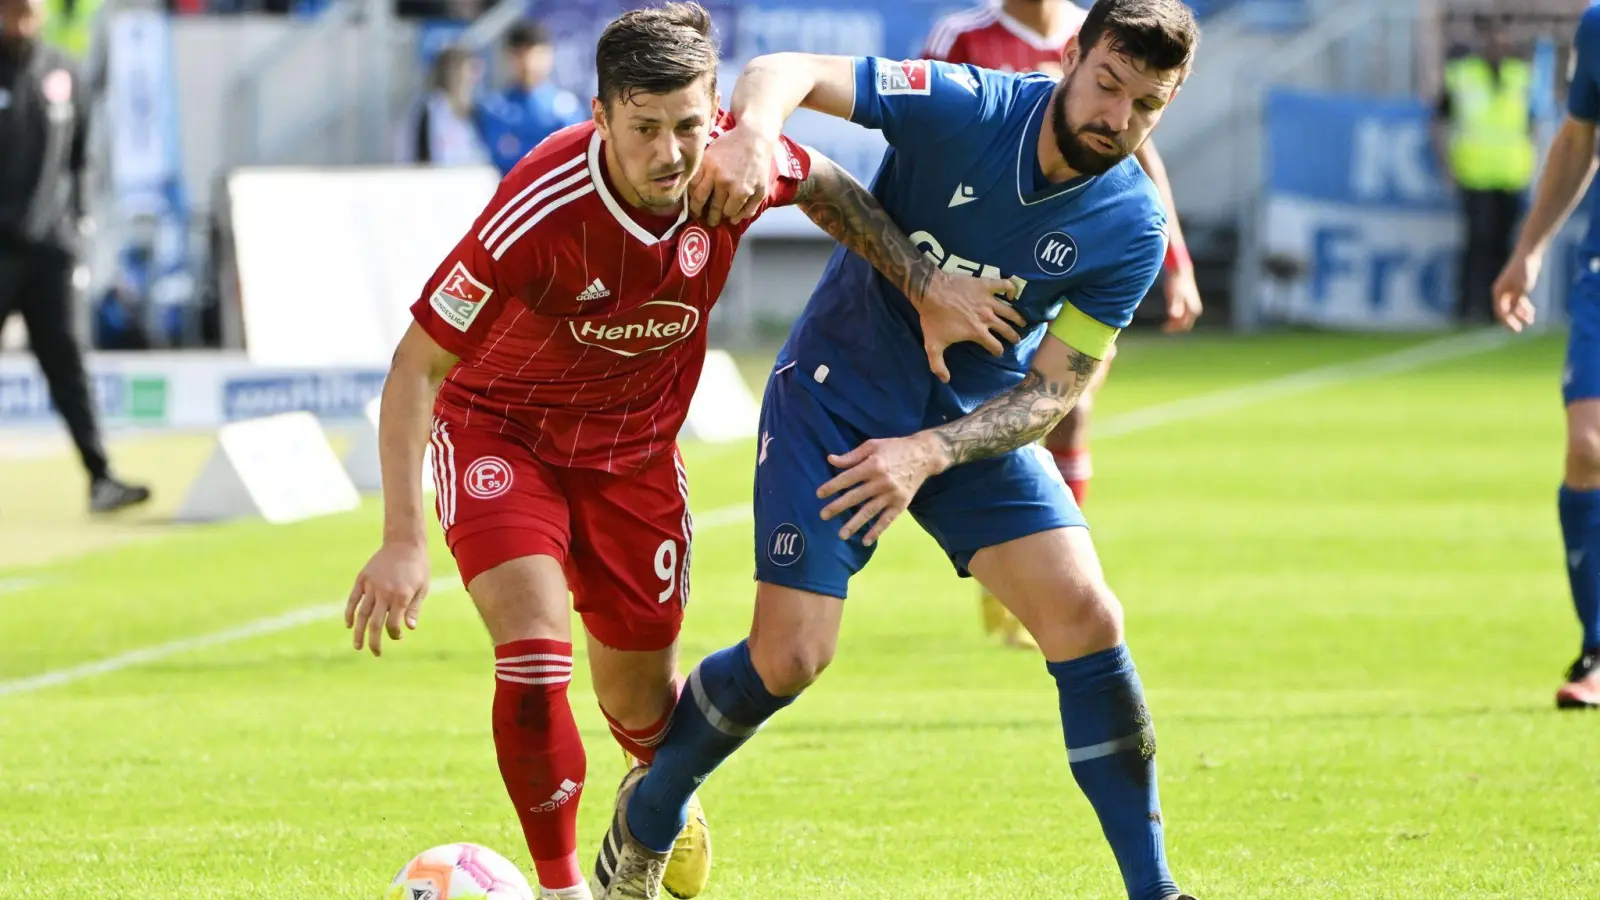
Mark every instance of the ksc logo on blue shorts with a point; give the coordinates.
(786, 545)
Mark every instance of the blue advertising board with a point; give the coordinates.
(1356, 197)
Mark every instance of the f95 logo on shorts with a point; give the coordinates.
(487, 478)
(786, 545)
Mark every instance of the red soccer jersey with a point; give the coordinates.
(581, 321)
(987, 37)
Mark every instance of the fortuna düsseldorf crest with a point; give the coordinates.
(694, 248)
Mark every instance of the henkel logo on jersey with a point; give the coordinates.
(646, 328)
(953, 264)
(907, 77)
(460, 297)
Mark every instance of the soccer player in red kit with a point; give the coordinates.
(1030, 36)
(555, 351)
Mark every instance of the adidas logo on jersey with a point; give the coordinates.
(594, 291)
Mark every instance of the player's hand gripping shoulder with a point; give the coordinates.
(953, 308)
(881, 477)
(733, 177)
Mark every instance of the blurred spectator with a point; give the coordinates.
(43, 173)
(441, 130)
(1483, 133)
(70, 26)
(529, 108)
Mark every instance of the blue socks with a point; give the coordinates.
(1580, 527)
(1112, 749)
(723, 704)
(1110, 745)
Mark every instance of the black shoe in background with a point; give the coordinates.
(107, 495)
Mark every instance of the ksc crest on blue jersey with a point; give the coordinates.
(1056, 253)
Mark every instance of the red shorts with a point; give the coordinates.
(622, 539)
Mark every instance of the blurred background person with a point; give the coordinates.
(1483, 133)
(530, 107)
(442, 129)
(43, 174)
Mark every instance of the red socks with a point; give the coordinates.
(643, 742)
(1076, 469)
(541, 755)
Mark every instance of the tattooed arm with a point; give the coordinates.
(954, 308)
(1021, 415)
(880, 477)
(844, 209)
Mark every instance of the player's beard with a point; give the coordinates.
(1084, 159)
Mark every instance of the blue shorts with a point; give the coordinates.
(1580, 380)
(970, 507)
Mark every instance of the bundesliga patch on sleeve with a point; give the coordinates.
(460, 297)
(906, 77)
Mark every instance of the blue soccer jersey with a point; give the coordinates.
(1583, 99)
(515, 120)
(962, 178)
(1581, 378)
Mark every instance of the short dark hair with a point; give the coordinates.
(526, 34)
(1162, 34)
(656, 50)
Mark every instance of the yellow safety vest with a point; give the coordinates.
(71, 29)
(1490, 147)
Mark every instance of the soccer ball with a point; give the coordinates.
(460, 872)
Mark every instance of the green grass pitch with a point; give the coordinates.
(1346, 600)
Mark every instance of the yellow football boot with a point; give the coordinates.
(999, 622)
(689, 865)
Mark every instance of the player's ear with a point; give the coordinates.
(1070, 52)
(598, 111)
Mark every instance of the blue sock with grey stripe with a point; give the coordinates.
(1580, 528)
(722, 706)
(1111, 746)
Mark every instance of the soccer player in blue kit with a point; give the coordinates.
(992, 174)
(1568, 169)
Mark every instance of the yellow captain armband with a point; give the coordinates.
(1084, 333)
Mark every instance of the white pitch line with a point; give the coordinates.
(1411, 358)
(13, 585)
(716, 518)
(737, 514)
(132, 658)
(1416, 356)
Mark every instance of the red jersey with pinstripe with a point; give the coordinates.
(580, 321)
(985, 36)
